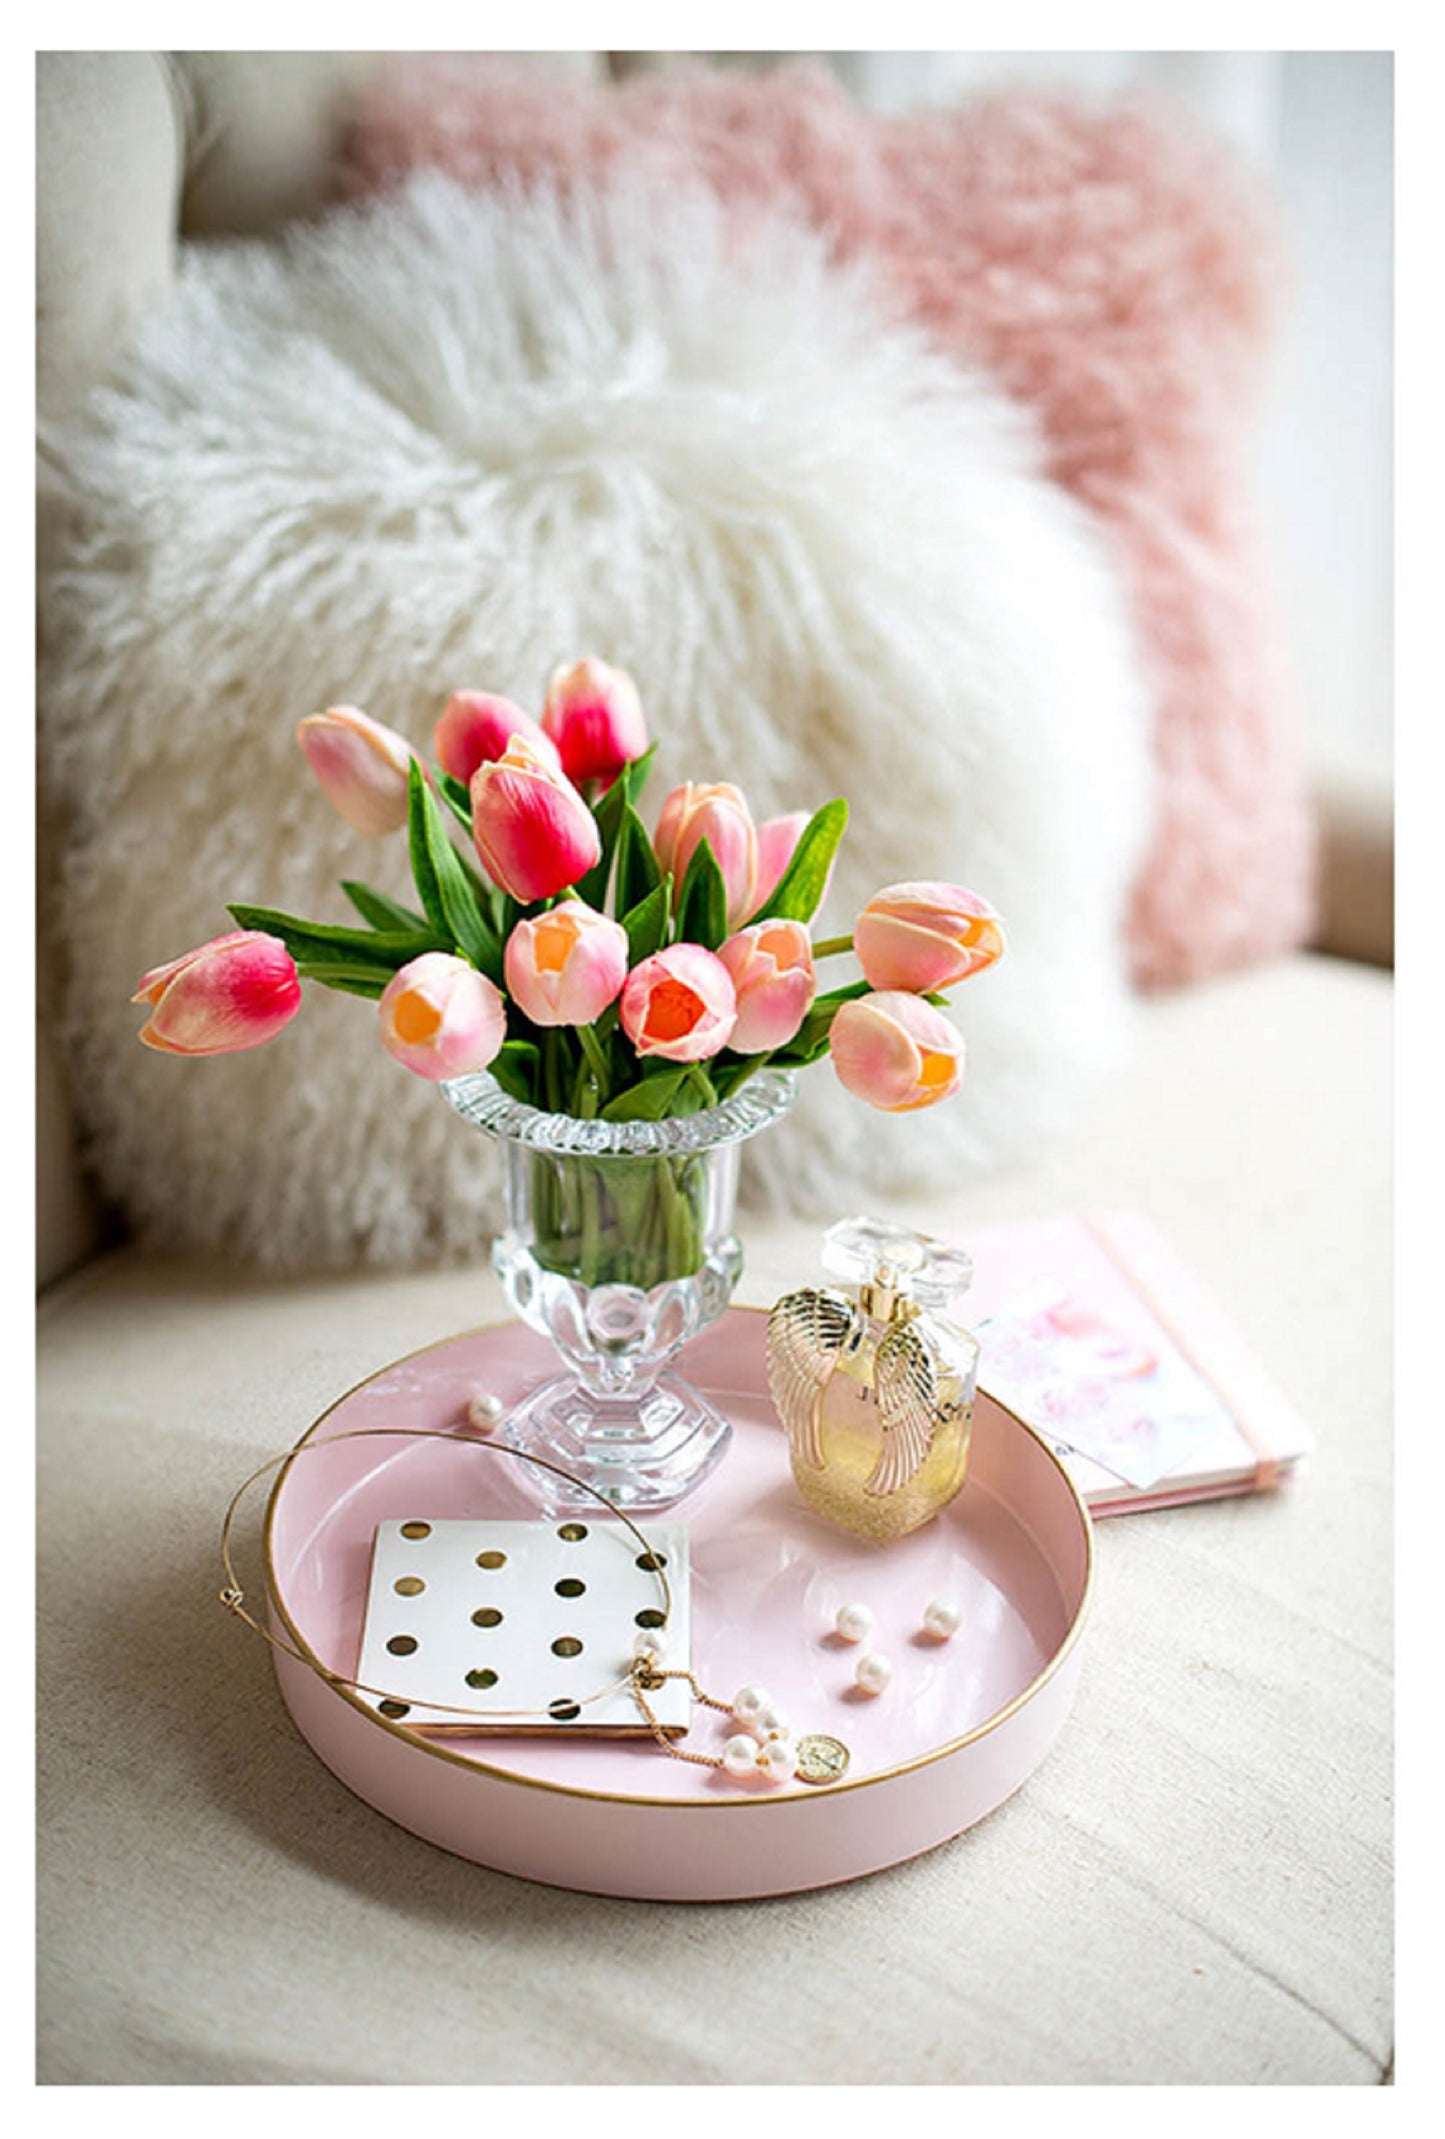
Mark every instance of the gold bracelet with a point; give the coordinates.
(762, 1747)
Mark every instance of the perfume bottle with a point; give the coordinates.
(876, 1392)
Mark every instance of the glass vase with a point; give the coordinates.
(619, 1246)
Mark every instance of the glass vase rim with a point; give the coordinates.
(767, 1096)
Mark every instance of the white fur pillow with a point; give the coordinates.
(448, 440)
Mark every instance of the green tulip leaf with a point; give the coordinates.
(651, 1100)
(634, 775)
(810, 1043)
(646, 925)
(450, 894)
(695, 1094)
(607, 815)
(382, 912)
(457, 796)
(799, 891)
(320, 944)
(608, 812)
(349, 980)
(516, 1068)
(638, 869)
(702, 906)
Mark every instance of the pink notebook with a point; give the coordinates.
(1095, 1333)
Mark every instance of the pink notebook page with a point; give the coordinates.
(1093, 1330)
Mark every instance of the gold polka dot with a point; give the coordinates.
(491, 1617)
(651, 1618)
(573, 1533)
(409, 1586)
(571, 1587)
(416, 1529)
(567, 1645)
(402, 1645)
(481, 1680)
(395, 1708)
(491, 1559)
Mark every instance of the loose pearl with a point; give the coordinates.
(874, 1673)
(740, 1756)
(942, 1619)
(769, 1722)
(854, 1622)
(778, 1760)
(747, 1703)
(652, 1641)
(483, 1410)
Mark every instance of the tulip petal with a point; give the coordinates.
(441, 1018)
(566, 966)
(594, 716)
(925, 936)
(534, 833)
(874, 1057)
(234, 993)
(361, 766)
(896, 1051)
(476, 727)
(679, 1005)
(777, 841)
(771, 965)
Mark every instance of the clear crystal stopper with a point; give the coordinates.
(871, 1251)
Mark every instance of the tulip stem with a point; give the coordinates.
(597, 1060)
(832, 946)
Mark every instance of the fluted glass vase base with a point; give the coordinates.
(644, 1454)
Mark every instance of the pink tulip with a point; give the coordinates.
(772, 973)
(476, 727)
(679, 1004)
(926, 936)
(533, 831)
(565, 966)
(233, 993)
(361, 765)
(777, 842)
(896, 1051)
(718, 814)
(594, 716)
(441, 1017)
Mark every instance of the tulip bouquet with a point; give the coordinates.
(596, 969)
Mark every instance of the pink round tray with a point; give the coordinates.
(961, 1726)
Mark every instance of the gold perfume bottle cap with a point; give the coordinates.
(884, 1295)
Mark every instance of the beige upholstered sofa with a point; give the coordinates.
(1196, 1886)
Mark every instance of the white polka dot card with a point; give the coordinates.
(535, 1622)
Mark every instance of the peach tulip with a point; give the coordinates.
(896, 1051)
(718, 814)
(594, 716)
(777, 842)
(235, 992)
(533, 831)
(441, 1017)
(771, 965)
(362, 766)
(476, 727)
(926, 936)
(679, 1004)
(565, 966)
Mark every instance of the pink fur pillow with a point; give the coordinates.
(1113, 270)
